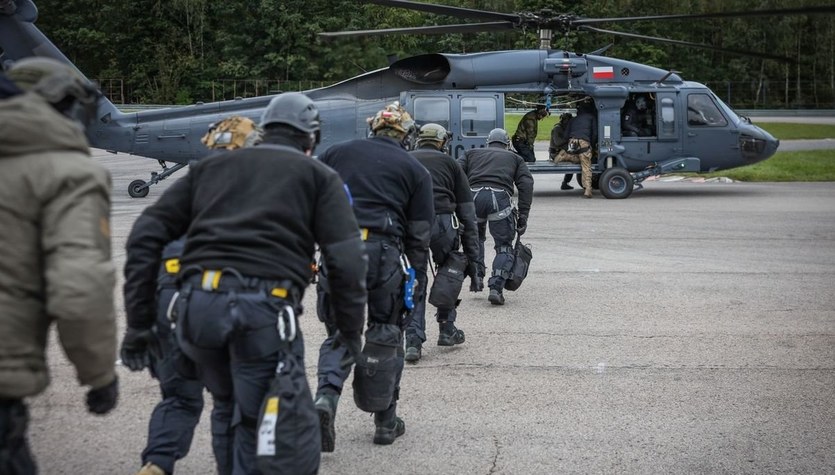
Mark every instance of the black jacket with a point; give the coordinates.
(452, 194)
(498, 167)
(584, 125)
(260, 211)
(391, 191)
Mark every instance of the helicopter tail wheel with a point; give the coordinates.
(616, 183)
(138, 189)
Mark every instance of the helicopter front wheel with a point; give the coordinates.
(138, 189)
(616, 183)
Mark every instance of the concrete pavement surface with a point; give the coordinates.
(687, 329)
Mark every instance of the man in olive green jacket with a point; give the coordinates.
(55, 263)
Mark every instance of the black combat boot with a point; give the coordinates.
(449, 335)
(325, 404)
(388, 426)
(413, 347)
(496, 297)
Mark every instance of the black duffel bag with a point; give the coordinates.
(289, 440)
(377, 366)
(522, 256)
(448, 281)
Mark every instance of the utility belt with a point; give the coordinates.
(578, 146)
(227, 279)
(368, 234)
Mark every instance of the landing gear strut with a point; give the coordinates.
(140, 188)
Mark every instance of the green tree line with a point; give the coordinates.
(180, 51)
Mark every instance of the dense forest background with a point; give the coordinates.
(183, 51)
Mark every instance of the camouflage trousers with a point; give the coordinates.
(584, 159)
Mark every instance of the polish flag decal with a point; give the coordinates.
(602, 72)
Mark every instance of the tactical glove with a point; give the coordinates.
(476, 283)
(103, 399)
(522, 225)
(138, 346)
(350, 340)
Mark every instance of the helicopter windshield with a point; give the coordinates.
(733, 116)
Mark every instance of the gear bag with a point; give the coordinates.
(289, 439)
(448, 281)
(522, 256)
(377, 367)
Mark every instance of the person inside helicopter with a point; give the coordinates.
(637, 116)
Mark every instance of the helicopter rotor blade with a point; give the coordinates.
(823, 9)
(425, 30)
(458, 12)
(688, 43)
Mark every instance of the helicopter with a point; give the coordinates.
(693, 130)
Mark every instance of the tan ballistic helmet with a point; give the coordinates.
(434, 133)
(393, 117)
(231, 133)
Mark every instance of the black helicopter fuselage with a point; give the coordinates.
(463, 92)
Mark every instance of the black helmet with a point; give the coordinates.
(498, 135)
(293, 109)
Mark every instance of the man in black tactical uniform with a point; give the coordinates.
(174, 418)
(559, 141)
(493, 171)
(392, 195)
(636, 119)
(455, 222)
(252, 218)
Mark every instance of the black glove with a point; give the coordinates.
(351, 340)
(521, 225)
(103, 399)
(138, 346)
(476, 283)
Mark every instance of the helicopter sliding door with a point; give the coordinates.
(656, 136)
(709, 132)
(469, 117)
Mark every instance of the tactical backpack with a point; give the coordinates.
(522, 256)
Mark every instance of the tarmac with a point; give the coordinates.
(687, 329)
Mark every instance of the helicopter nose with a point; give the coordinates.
(757, 145)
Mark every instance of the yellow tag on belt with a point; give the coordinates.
(279, 292)
(172, 266)
(364, 232)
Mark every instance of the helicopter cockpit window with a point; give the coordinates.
(478, 116)
(432, 110)
(702, 111)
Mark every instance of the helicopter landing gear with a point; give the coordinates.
(616, 183)
(140, 188)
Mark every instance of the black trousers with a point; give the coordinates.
(385, 305)
(492, 209)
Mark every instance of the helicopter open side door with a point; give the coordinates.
(469, 117)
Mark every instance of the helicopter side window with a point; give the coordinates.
(478, 116)
(668, 117)
(638, 116)
(702, 111)
(432, 109)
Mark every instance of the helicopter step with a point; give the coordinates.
(140, 188)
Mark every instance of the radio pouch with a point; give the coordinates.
(376, 368)
(448, 281)
(289, 439)
(522, 256)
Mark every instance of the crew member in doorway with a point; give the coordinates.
(582, 133)
(559, 141)
(525, 136)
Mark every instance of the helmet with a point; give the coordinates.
(293, 109)
(231, 133)
(52, 79)
(393, 117)
(641, 102)
(498, 135)
(432, 133)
